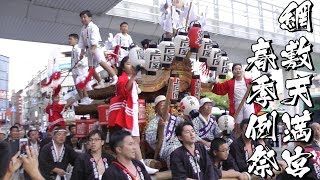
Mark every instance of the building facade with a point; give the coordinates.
(36, 97)
(4, 82)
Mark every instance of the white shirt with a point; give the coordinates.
(81, 66)
(35, 147)
(89, 36)
(123, 40)
(240, 89)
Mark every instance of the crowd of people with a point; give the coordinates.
(192, 148)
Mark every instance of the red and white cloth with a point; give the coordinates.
(123, 110)
(54, 115)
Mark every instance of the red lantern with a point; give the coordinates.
(91, 125)
(103, 112)
(195, 35)
(174, 95)
(81, 128)
(85, 126)
(195, 87)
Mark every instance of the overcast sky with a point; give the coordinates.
(26, 59)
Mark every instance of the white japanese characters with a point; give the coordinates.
(263, 54)
(297, 17)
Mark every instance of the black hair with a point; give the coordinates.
(14, 127)
(121, 66)
(97, 131)
(235, 64)
(180, 127)
(145, 42)
(117, 138)
(86, 12)
(124, 23)
(71, 126)
(5, 156)
(244, 122)
(31, 130)
(216, 143)
(74, 36)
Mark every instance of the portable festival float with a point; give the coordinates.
(183, 65)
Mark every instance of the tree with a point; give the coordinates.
(220, 101)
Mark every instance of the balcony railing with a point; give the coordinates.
(249, 19)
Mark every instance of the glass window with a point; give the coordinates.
(225, 11)
(4, 66)
(3, 85)
(267, 6)
(3, 75)
(253, 17)
(252, 3)
(240, 14)
(206, 7)
(144, 2)
(267, 21)
(3, 104)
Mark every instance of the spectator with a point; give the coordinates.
(55, 157)
(223, 163)
(33, 136)
(242, 148)
(72, 132)
(8, 165)
(191, 160)
(92, 164)
(316, 133)
(3, 135)
(13, 140)
(125, 167)
(48, 139)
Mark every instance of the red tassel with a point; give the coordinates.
(56, 90)
(114, 55)
(82, 85)
(116, 50)
(54, 76)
